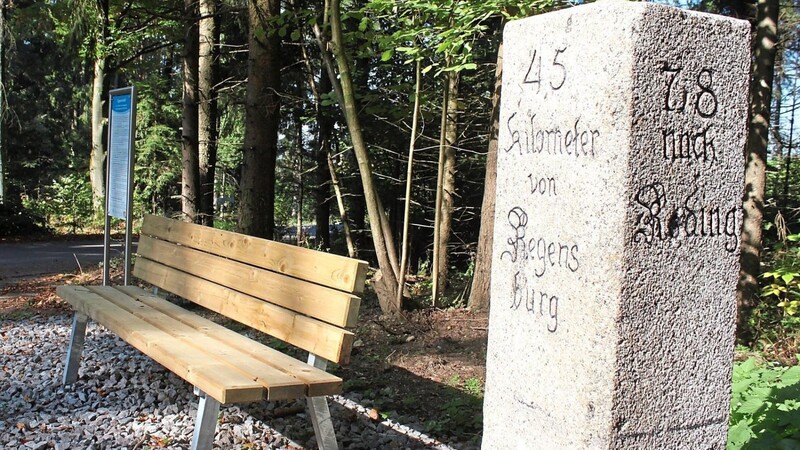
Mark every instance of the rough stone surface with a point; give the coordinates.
(620, 174)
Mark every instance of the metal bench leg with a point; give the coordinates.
(206, 423)
(320, 414)
(75, 349)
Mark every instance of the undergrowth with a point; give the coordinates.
(765, 407)
(765, 402)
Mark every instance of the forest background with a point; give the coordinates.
(369, 126)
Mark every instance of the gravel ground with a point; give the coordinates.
(124, 400)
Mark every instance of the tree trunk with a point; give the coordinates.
(322, 189)
(756, 161)
(322, 208)
(348, 235)
(777, 97)
(190, 184)
(409, 178)
(98, 155)
(357, 209)
(99, 93)
(479, 296)
(207, 117)
(385, 282)
(787, 162)
(356, 205)
(3, 83)
(262, 120)
(445, 185)
(299, 174)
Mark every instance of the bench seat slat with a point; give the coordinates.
(335, 307)
(280, 385)
(318, 382)
(327, 269)
(328, 341)
(218, 380)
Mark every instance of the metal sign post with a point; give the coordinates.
(119, 171)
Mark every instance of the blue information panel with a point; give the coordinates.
(119, 172)
(120, 152)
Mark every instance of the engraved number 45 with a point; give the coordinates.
(556, 72)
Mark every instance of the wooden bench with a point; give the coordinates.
(303, 297)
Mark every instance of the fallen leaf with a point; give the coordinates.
(374, 414)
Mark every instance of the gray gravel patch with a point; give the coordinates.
(124, 400)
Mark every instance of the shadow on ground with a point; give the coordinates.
(417, 414)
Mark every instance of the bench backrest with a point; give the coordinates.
(304, 297)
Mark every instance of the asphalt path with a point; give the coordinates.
(20, 260)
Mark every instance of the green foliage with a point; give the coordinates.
(474, 387)
(231, 134)
(765, 407)
(458, 290)
(18, 221)
(446, 31)
(157, 170)
(458, 415)
(66, 203)
(776, 320)
(225, 224)
(783, 188)
(782, 282)
(45, 90)
(133, 28)
(454, 380)
(50, 67)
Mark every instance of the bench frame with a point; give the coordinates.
(208, 406)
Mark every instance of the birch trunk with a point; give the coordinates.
(385, 282)
(409, 172)
(97, 156)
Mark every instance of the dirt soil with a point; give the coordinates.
(425, 369)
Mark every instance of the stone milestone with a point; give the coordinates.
(616, 245)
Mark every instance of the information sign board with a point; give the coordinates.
(119, 171)
(121, 120)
